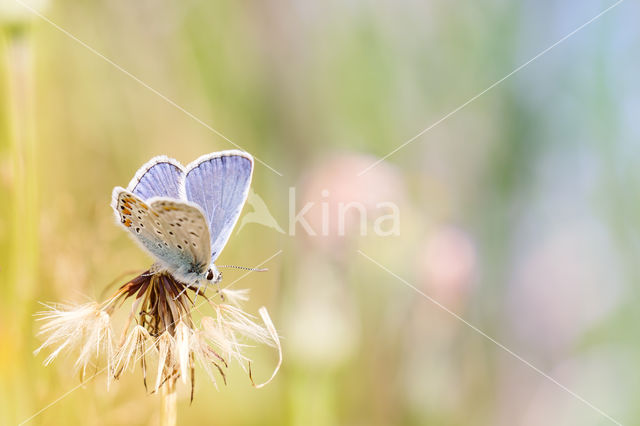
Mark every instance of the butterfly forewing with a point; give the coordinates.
(174, 232)
(219, 184)
(160, 177)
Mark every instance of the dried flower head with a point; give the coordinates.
(160, 324)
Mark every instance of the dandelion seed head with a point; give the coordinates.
(160, 327)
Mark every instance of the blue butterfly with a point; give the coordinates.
(183, 216)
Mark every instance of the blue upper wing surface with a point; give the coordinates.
(160, 177)
(219, 184)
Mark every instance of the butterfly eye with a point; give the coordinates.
(210, 275)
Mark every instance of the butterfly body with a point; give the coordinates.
(183, 216)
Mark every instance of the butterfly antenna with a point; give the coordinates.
(244, 268)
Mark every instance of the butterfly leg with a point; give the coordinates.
(198, 292)
(186, 287)
(219, 290)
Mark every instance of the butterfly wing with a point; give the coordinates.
(219, 184)
(174, 232)
(159, 177)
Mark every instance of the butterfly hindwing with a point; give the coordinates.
(159, 177)
(187, 229)
(219, 184)
(174, 232)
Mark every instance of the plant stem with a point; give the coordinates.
(169, 411)
(23, 162)
(20, 261)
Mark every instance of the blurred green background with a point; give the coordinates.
(520, 213)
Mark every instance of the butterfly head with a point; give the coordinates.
(213, 276)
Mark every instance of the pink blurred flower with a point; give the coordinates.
(347, 205)
(446, 266)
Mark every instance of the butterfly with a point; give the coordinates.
(183, 216)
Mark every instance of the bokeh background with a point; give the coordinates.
(520, 213)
